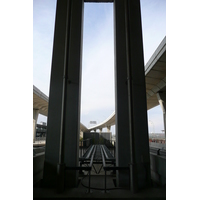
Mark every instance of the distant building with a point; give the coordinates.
(41, 130)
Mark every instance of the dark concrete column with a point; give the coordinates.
(131, 109)
(162, 101)
(64, 98)
(121, 95)
(139, 146)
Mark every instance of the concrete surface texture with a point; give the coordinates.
(97, 181)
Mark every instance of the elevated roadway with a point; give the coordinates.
(40, 104)
(155, 76)
(40, 101)
(110, 121)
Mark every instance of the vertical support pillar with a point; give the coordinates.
(139, 141)
(63, 128)
(73, 99)
(121, 95)
(108, 128)
(162, 101)
(131, 109)
(35, 117)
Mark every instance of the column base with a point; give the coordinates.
(60, 177)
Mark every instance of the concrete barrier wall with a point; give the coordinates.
(157, 145)
(38, 165)
(158, 169)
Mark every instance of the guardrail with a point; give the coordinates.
(91, 153)
(106, 157)
(108, 168)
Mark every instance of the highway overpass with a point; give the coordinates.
(155, 77)
(40, 106)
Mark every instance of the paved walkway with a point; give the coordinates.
(98, 182)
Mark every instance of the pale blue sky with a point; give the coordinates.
(97, 99)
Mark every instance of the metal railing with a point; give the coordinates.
(90, 155)
(89, 158)
(109, 168)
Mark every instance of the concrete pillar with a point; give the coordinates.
(100, 130)
(136, 117)
(108, 128)
(35, 117)
(63, 128)
(121, 95)
(139, 140)
(162, 101)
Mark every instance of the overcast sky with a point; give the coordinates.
(97, 97)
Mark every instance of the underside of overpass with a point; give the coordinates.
(155, 79)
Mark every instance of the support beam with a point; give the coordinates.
(63, 128)
(162, 101)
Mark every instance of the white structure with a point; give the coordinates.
(40, 106)
(155, 77)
